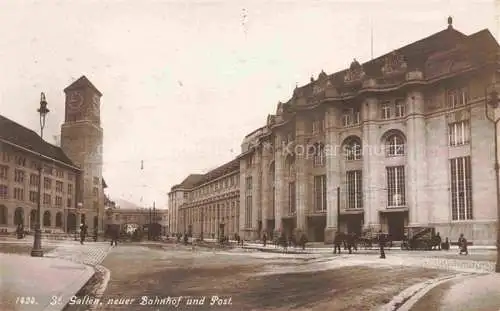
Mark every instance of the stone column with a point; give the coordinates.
(333, 154)
(416, 180)
(256, 192)
(266, 158)
(301, 175)
(370, 147)
(279, 195)
(241, 221)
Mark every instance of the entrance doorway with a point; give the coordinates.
(396, 225)
(288, 226)
(354, 223)
(316, 225)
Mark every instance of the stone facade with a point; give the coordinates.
(19, 178)
(207, 205)
(82, 141)
(72, 183)
(400, 141)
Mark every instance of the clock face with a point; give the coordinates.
(75, 100)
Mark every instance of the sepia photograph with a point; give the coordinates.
(265, 155)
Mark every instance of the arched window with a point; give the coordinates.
(3, 215)
(352, 149)
(46, 219)
(395, 146)
(59, 220)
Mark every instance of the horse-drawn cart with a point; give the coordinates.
(419, 238)
(368, 238)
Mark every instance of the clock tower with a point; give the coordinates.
(82, 140)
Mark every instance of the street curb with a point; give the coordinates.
(406, 299)
(102, 287)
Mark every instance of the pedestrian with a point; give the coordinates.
(115, 232)
(264, 239)
(83, 232)
(337, 242)
(381, 243)
(462, 244)
(446, 244)
(95, 234)
(303, 241)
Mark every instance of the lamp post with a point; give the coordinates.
(491, 103)
(37, 250)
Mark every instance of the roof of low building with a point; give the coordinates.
(195, 180)
(18, 135)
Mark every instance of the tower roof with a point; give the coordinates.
(82, 82)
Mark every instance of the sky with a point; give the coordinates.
(184, 81)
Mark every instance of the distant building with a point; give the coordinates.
(403, 137)
(129, 219)
(72, 183)
(207, 204)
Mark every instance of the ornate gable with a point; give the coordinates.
(394, 64)
(355, 72)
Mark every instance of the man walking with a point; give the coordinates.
(83, 232)
(337, 242)
(381, 243)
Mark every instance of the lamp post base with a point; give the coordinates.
(37, 253)
(37, 250)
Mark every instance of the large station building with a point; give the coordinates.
(401, 140)
(72, 183)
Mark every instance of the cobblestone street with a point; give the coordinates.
(256, 280)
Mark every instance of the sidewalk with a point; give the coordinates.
(322, 248)
(475, 293)
(51, 280)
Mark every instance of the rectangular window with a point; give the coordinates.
(248, 183)
(71, 176)
(457, 97)
(4, 192)
(5, 157)
(19, 176)
(46, 198)
(68, 202)
(461, 189)
(58, 201)
(396, 186)
(400, 108)
(291, 198)
(319, 156)
(34, 179)
(4, 172)
(320, 193)
(33, 196)
(459, 133)
(248, 211)
(70, 189)
(386, 111)
(19, 194)
(59, 186)
(21, 161)
(59, 173)
(354, 189)
(47, 183)
(316, 127)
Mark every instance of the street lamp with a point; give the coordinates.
(37, 250)
(491, 103)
